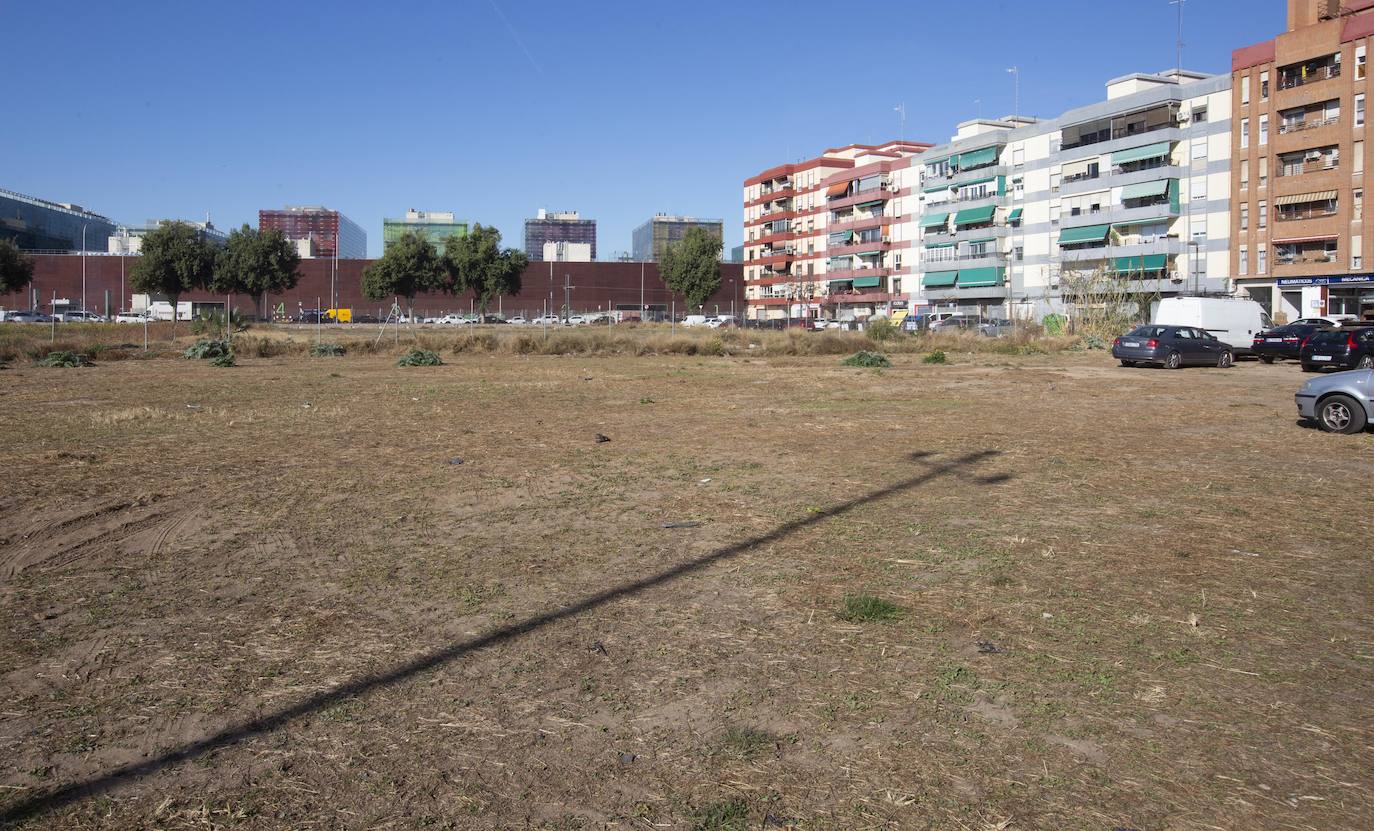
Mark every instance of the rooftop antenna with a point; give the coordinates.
(900, 110)
(1016, 94)
(978, 102)
(1178, 60)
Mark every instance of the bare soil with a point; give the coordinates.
(270, 597)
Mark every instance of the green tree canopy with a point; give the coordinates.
(256, 263)
(16, 267)
(175, 259)
(692, 267)
(477, 262)
(408, 266)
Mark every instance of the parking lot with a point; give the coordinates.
(1010, 591)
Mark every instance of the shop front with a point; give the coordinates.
(1350, 294)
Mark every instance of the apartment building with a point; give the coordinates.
(834, 236)
(1302, 237)
(1130, 193)
(557, 226)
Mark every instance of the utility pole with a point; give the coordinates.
(1178, 66)
(567, 296)
(643, 312)
(83, 268)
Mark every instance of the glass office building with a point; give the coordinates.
(39, 225)
(435, 226)
(652, 238)
(564, 226)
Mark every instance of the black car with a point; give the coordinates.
(1349, 347)
(1171, 347)
(1283, 342)
(311, 316)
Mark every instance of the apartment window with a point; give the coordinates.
(1356, 253)
(1245, 217)
(1245, 90)
(1261, 258)
(1263, 130)
(896, 285)
(1200, 115)
(1054, 215)
(1018, 156)
(1244, 174)
(1199, 230)
(1359, 110)
(1244, 133)
(1359, 63)
(1263, 171)
(1357, 204)
(1018, 188)
(1264, 86)
(1054, 182)
(1263, 214)
(1199, 149)
(1244, 261)
(1197, 188)
(1018, 253)
(1359, 157)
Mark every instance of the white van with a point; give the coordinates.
(1233, 321)
(695, 320)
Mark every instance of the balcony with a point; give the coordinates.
(1312, 124)
(851, 273)
(857, 223)
(1117, 177)
(1311, 75)
(772, 196)
(860, 297)
(1302, 168)
(1117, 134)
(1119, 214)
(880, 193)
(884, 244)
(1135, 245)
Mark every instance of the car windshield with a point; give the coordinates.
(1149, 332)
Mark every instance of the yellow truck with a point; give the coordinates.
(339, 315)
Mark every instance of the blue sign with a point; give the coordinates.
(1325, 281)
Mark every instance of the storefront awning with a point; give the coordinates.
(867, 282)
(1143, 263)
(1144, 190)
(940, 279)
(1300, 198)
(977, 278)
(1087, 233)
(973, 216)
(935, 220)
(1140, 154)
(977, 158)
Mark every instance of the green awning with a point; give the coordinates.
(866, 253)
(1015, 215)
(1142, 190)
(867, 282)
(933, 162)
(973, 182)
(940, 245)
(935, 189)
(933, 220)
(977, 278)
(940, 279)
(984, 239)
(973, 216)
(833, 283)
(845, 235)
(869, 204)
(1087, 233)
(1140, 154)
(1146, 262)
(977, 158)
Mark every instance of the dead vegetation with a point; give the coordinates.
(1103, 619)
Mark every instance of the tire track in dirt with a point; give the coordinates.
(70, 539)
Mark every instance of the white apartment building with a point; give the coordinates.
(1135, 188)
(833, 237)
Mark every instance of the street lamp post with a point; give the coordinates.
(83, 267)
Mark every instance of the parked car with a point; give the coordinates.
(448, 320)
(1349, 347)
(545, 320)
(311, 316)
(1339, 403)
(996, 327)
(490, 319)
(366, 318)
(955, 323)
(1231, 320)
(723, 322)
(1284, 342)
(27, 316)
(1324, 320)
(518, 320)
(576, 320)
(79, 316)
(1172, 347)
(133, 317)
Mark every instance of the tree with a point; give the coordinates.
(477, 262)
(1103, 303)
(692, 267)
(256, 263)
(408, 266)
(175, 259)
(16, 268)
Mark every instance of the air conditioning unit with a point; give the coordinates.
(1175, 277)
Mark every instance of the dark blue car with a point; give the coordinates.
(1171, 347)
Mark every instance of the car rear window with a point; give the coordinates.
(1149, 332)
(1329, 337)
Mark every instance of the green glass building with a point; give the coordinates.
(436, 226)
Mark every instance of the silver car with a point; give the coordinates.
(1339, 403)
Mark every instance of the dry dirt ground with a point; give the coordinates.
(267, 597)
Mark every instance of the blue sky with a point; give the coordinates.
(493, 108)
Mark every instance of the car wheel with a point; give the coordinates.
(1308, 368)
(1173, 361)
(1225, 360)
(1367, 362)
(1128, 363)
(1266, 359)
(1341, 414)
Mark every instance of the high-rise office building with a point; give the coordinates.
(652, 238)
(324, 230)
(1299, 150)
(129, 240)
(39, 225)
(554, 226)
(435, 226)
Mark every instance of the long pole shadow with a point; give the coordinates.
(67, 794)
